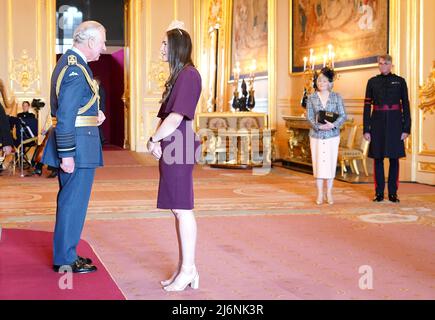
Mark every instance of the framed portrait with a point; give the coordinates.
(249, 40)
(357, 29)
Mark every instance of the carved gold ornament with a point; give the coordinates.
(159, 73)
(427, 93)
(215, 14)
(426, 167)
(24, 71)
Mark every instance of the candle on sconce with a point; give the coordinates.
(329, 51)
(313, 63)
(332, 59)
(311, 56)
(324, 60)
(236, 71)
(253, 67)
(305, 63)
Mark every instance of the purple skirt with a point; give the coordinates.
(176, 169)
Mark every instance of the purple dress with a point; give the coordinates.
(179, 149)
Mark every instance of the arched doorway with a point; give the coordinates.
(110, 68)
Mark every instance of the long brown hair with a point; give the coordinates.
(179, 57)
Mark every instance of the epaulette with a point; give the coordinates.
(72, 60)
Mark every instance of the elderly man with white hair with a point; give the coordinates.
(74, 145)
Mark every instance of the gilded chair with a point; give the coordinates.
(25, 148)
(346, 134)
(347, 138)
(7, 162)
(359, 152)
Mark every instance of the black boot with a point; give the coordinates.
(53, 174)
(379, 197)
(393, 198)
(37, 171)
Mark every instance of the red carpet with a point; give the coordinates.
(26, 274)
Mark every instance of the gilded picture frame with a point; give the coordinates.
(249, 37)
(358, 30)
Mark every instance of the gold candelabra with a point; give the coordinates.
(309, 70)
(236, 73)
(246, 101)
(328, 59)
(251, 98)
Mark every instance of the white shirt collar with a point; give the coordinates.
(79, 53)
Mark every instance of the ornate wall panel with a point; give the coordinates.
(147, 23)
(28, 37)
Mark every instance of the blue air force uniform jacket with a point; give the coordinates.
(67, 140)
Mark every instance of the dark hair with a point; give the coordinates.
(179, 56)
(386, 57)
(28, 103)
(327, 72)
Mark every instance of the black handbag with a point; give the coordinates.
(326, 115)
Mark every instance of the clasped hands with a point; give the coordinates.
(155, 149)
(327, 126)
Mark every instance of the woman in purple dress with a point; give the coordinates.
(174, 143)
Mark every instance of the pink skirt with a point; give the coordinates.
(324, 153)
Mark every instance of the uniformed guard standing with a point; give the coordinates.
(75, 144)
(386, 125)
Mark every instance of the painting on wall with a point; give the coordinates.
(249, 41)
(357, 30)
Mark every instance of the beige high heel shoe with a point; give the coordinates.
(167, 282)
(319, 200)
(192, 281)
(329, 198)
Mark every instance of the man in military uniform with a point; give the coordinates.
(386, 125)
(75, 144)
(25, 114)
(27, 121)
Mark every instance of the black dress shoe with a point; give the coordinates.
(53, 174)
(37, 171)
(84, 260)
(378, 198)
(77, 267)
(393, 198)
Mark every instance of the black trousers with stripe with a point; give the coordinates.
(393, 176)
